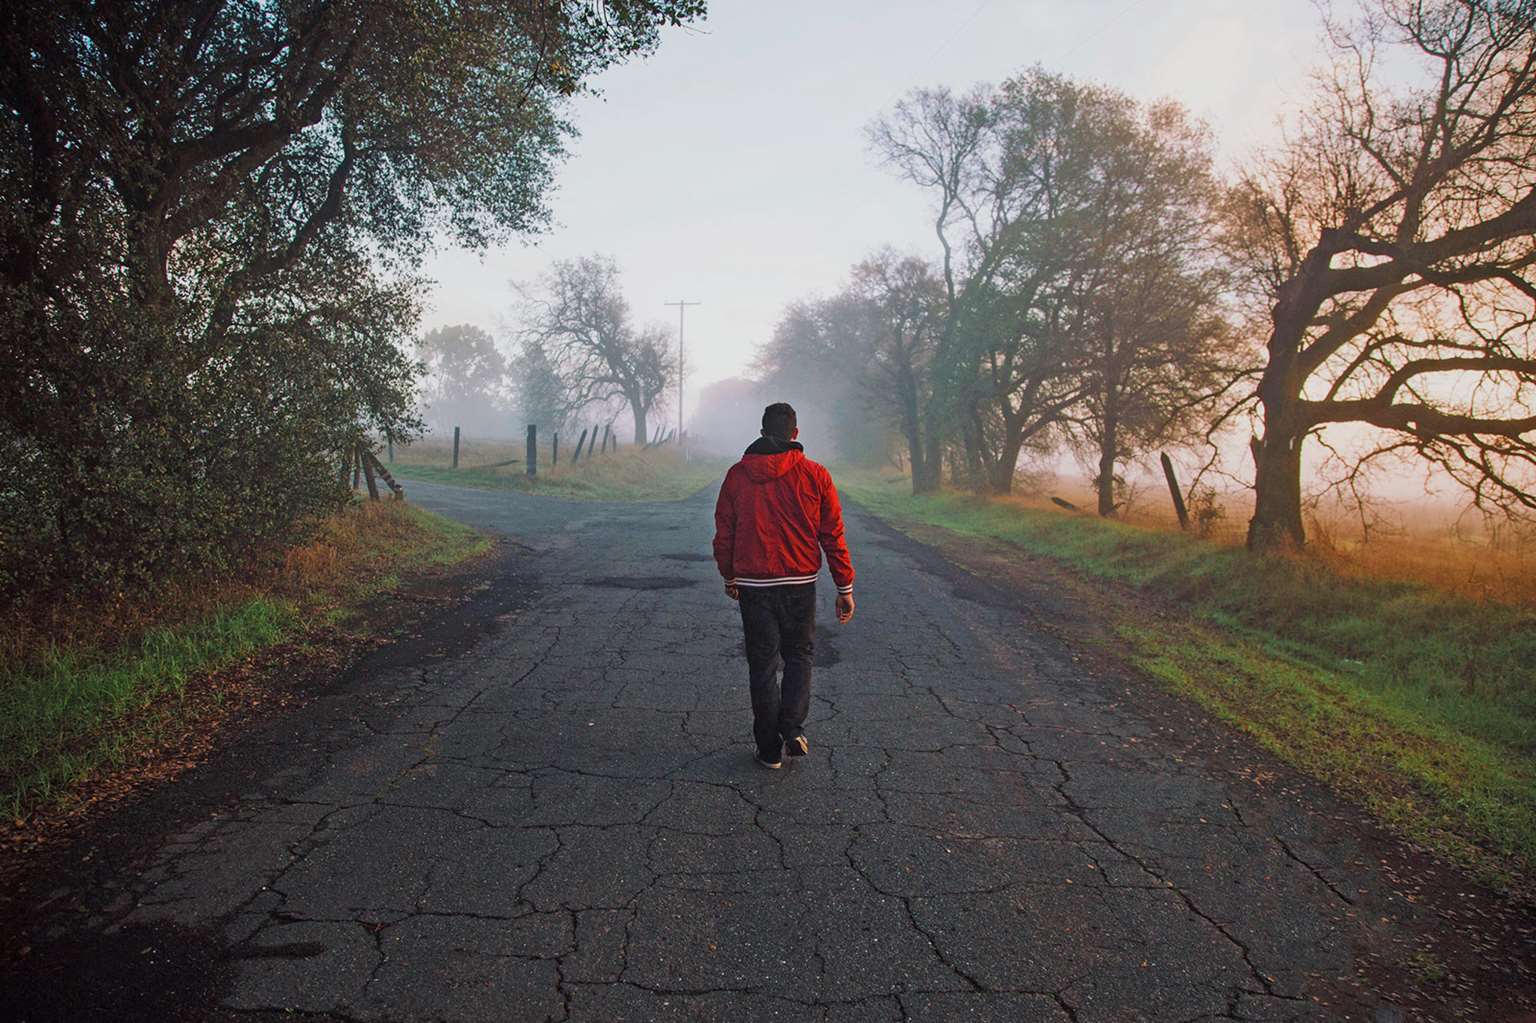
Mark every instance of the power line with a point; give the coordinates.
(1096, 32)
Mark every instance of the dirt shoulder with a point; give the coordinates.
(215, 737)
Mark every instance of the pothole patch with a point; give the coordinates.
(826, 654)
(641, 582)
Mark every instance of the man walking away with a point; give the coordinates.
(777, 513)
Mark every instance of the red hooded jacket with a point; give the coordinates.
(777, 512)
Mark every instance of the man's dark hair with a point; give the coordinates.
(779, 420)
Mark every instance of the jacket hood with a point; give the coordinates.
(769, 458)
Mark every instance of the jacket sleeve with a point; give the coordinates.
(831, 536)
(725, 530)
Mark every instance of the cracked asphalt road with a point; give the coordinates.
(559, 819)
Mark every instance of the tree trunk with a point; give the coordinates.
(910, 429)
(1108, 451)
(930, 477)
(978, 463)
(1002, 470)
(640, 409)
(1276, 522)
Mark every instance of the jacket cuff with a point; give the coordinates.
(845, 589)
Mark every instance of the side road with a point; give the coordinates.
(545, 808)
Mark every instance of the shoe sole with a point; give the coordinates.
(799, 746)
(771, 765)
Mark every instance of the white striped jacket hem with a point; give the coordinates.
(787, 580)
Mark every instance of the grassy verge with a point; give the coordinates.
(71, 707)
(630, 474)
(1419, 704)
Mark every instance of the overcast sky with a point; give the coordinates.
(731, 167)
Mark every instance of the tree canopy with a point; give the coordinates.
(212, 213)
(1076, 296)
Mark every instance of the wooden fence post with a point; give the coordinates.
(455, 447)
(533, 449)
(394, 487)
(554, 449)
(390, 441)
(367, 464)
(580, 441)
(607, 429)
(1173, 488)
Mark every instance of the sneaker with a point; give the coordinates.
(797, 746)
(772, 765)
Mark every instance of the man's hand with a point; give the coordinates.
(844, 608)
(731, 591)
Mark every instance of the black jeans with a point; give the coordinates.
(780, 625)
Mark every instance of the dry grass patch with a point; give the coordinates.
(629, 474)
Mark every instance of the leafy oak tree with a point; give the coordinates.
(210, 216)
(466, 380)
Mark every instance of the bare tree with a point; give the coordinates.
(1391, 240)
(578, 315)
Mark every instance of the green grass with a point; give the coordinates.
(69, 709)
(55, 711)
(630, 474)
(1419, 703)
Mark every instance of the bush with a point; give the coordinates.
(133, 461)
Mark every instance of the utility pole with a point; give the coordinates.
(681, 308)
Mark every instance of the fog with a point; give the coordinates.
(735, 170)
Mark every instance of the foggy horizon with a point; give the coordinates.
(706, 184)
